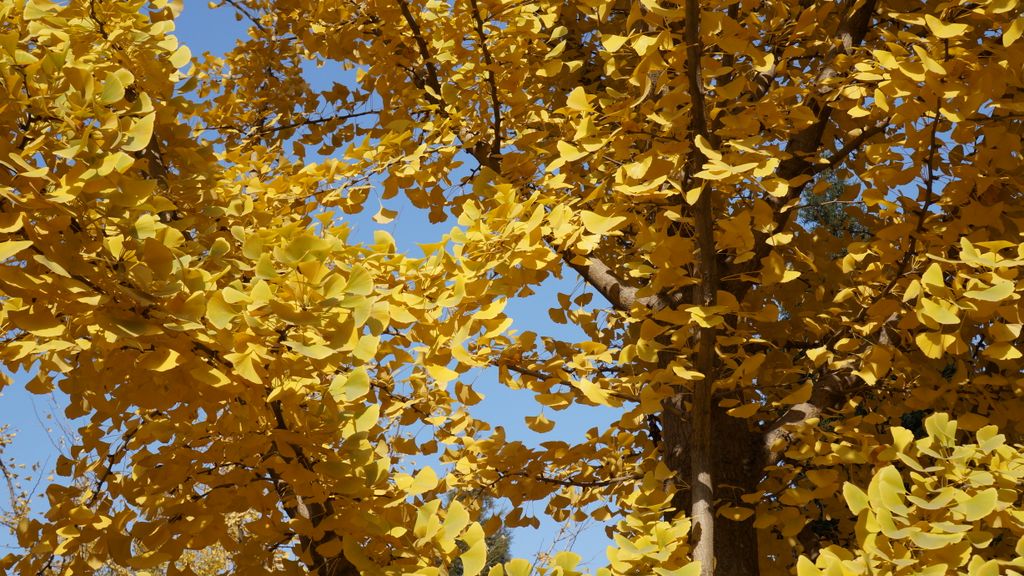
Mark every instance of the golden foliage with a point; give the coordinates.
(249, 379)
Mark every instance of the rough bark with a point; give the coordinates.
(736, 466)
(314, 513)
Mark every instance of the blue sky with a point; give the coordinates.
(40, 426)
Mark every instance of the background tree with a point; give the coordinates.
(833, 213)
(175, 264)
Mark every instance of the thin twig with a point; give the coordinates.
(244, 12)
(851, 146)
(545, 377)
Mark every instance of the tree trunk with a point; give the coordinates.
(737, 461)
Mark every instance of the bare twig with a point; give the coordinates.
(854, 144)
(544, 377)
(245, 12)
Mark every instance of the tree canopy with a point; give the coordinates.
(794, 395)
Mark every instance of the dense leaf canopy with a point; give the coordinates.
(840, 398)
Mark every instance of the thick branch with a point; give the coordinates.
(803, 145)
(599, 275)
(315, 512)
(495, 152)
(850, 147)
(428, 63)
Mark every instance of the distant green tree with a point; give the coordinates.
(830, 211)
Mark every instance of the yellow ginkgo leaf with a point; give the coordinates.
(934, 540)
(942, 29)
(934, 344)
(891, 490)
(424, 481)
(11, 247)
(855, 498)
(139, 135)
(219, 312)
(385, 215)
(735, 513)
(566, 561)
(932, 279)
(37, 320)
(160, 360)
(475, 557)
(687, 374)
(1001, 351)
(978, 506)
(518, 567)
(804, 567)
(800, 395)
(691, 569)
(442, 374)
(113, 90)
(455, 519)
(1013, 32)
(359, 282)
(940, 311)
(998, 292)
(578, 100)
(181, 57)
(593, 392)
(352, 386)
(598, 224)
(612, 43)
(744, 411)
(539, 424)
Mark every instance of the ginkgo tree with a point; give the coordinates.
(176, 260)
